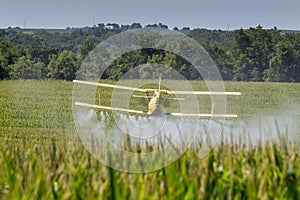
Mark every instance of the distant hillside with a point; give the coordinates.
(290, 31)
(253, 54)
(201, 35)
(34, 30)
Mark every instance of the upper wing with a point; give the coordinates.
(202, 92)
(114, 86)
(152, 90)
(109, 108)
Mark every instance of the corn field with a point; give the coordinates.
(41, 156)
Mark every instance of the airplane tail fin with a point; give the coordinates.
(159, 82)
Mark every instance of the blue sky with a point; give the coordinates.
(211, 14)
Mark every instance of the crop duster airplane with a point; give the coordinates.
(155, 98)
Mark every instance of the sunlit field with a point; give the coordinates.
(42, 157)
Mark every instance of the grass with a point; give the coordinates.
(41, 156)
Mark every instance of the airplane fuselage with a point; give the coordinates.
(154, 105)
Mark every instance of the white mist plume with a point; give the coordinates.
(276, 127)
(282, 125)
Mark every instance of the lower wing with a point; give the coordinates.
(202, 115)
(109, 108)
(144, 113)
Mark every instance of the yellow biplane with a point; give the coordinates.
(155, 98)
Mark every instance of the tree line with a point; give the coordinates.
(253, 54)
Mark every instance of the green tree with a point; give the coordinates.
(223, 60)
(26, 68)
(252, 53)
(88, 45)
(135, 25)
(291, 57)
(8, 55)
(63, 66)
